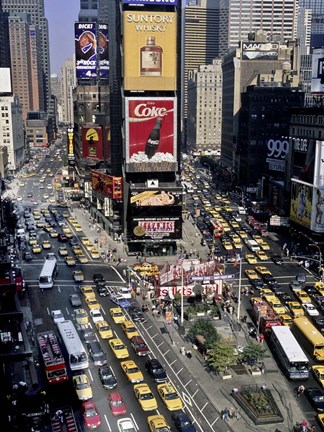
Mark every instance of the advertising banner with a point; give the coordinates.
(152, 2)
(92, 142)
(319, 165)
(276, 155)
(156, 228)
(106, 185)
(152, 198)
(318, 70)
(85, 50)
(260, 51)
(303, 157)
(318, 210)
(103, 48)
(151, 134)
(150, 50)
(301, 204)
(70, 134)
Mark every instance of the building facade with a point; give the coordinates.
(68, 83)
(204, 123)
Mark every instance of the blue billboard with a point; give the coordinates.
(157, 2)
(91, 40)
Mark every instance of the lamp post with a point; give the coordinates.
(239, 290)
(320, 259)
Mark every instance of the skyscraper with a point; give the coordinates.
(276, 17)
(35, 8)
(4, 40)
(317, 27)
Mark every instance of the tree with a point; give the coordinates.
(206, 329)
(221, 355)
(254, 352)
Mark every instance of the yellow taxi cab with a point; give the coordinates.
(296, 309)
(36, 212)
(37, 217)
(258, 238)
(117, 315)
(41, 180)
(67, 232)
(53, 234)
(251, 274)
(170, 397)
(277, 306)
(82, 387)
(145, 397)
(267, 294)
(320, 419)
(129, 329)
(157, 423)
(227, 245)
(81, 317)
(36, 249)
(262, 255)
(48, 228)
(32, 241)
(104, 330)
(118, 348)
(88, 291)
(319, 286)
(237, 242)
(82, 259)
(70, 261)
(264, 245)
(94, 253)
(40, 224)
(234, 224)
(250, 258)
(22, 184)
(132, 371)
(78, 228)
(149, 273)
(92, 302)
(77, 250)
(286, 320)
(46, 244)
(242, 234)
(89, 246)
(72, 220)
(262, 270)
(144, 266)
(318, 371)
(85, 241)
(303, 297)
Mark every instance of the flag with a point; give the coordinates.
(237, 260)
(181, 258)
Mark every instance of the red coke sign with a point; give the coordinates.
(151, 132)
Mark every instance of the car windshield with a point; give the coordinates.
(146, 396)
(117, 403)
(171, 396)
(82, 386)
(91, 413)
(119, 347)
(107, 375)
(133, 370)
(319, 398)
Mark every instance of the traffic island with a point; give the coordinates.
(258, 403)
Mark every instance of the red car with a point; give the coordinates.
(116, 403)
(91, 417)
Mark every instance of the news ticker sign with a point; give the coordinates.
(152, 2)
(211, 278)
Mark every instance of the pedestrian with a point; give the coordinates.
(312, 428)
(237, 414)
(231, 412)
(183, 351)
(225, 414)
(189, 354)
(303, 424)
(300, 390)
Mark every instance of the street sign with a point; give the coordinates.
(211, 278)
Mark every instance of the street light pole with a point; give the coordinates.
(320, 259)
(239, 290)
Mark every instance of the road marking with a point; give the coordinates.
(107, 422)
(118, 274)
(160, 344)
(202, 409)
(91, 377)
(179, 371)
(133, 418)
(195, 393)
(166, 352)
(173, 362)
(156, 334)
(188, 383)
(217, 418)
(186, 398)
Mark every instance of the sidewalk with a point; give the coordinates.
(210, 393)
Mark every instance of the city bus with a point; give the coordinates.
(288, 353)
(53, 360)
(217, 228)
(77, 355)
(310, 337)
(48, 273)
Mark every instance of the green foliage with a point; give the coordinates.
(221, 355)
(259, 402)
(254, 351)
(177, 297)
(206, 329)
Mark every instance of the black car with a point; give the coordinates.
(311, 290)
(74, 241)
(96, 354)
(107, 377)
(277, 289)
(316, 398)
(98, 277)
(136, 314)
(269, 280)
(102, 290)
(257, 283)
(277, 259)
(156, 370)
(88, 335)
(319, 322)
(301, 278)
(28, 256)
(182, 422)
(285, 298)
(62, 238)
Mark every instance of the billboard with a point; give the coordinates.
(151, 134)
(87, 49)
(318, 210)
(303, 158)
(319, 164)
(156, 228)
(277, 149)
(150, 50)
(259, 50)
(318, 70)
(153, 198)
(301, 203)
(152, 2)
(70, 133)
(92, 147)
(5, 80)
(107, 185)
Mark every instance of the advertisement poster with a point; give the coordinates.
(150, 50)
(92, 143)
(319, 165)
(85, 50)
(152, 198)
(318, 70)
(303, 158)
(301, 203)
(318, 211)
(156, 228)
(151, 133)
(152, 2)
(260, 51)
(277, 150)
(106, 185)
(103, 48)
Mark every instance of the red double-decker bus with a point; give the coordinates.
(54, 363)
(217, 228)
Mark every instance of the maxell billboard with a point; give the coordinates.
(150, 50)
(259, 51)
(92, 146)
(151, 133)
(318, 70)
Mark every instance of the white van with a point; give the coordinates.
(241, 210)
(253, 245)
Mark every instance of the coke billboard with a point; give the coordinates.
(151, 133)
